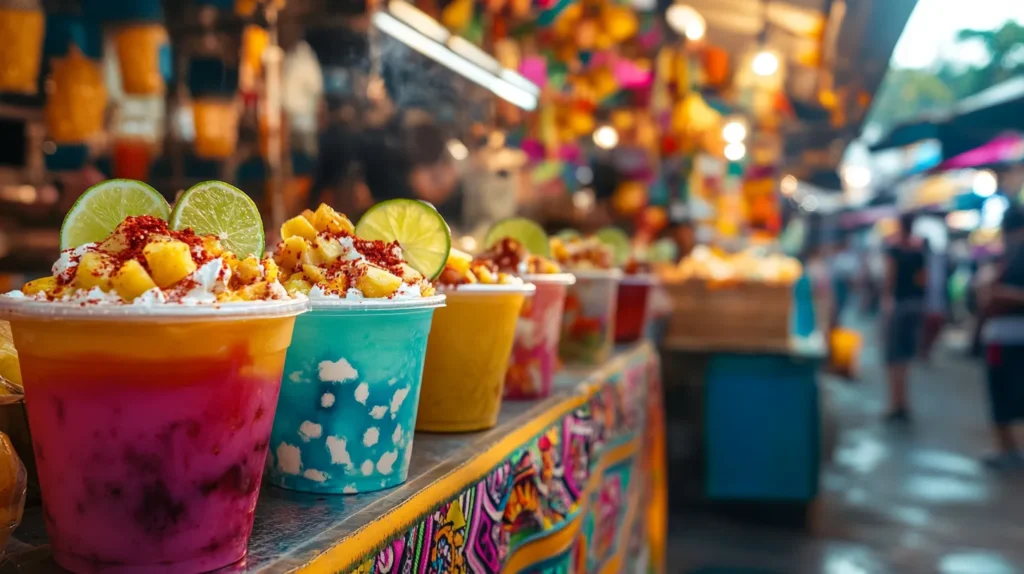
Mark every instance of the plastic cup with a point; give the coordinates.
(150, 427)
(467, 357)
(347, 412)
(632, 312)
(534, 361)
(588, 324)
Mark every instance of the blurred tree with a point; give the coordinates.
(907, 93)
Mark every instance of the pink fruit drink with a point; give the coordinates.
(150, 460)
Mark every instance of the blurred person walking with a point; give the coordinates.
(1003, 337)
(936, 309)
(903, 306)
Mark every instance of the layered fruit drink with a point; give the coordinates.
(588, 323)
(348, 405)
(470, 344)
(151, 362)
(534, 359)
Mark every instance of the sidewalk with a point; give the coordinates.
(905, 501)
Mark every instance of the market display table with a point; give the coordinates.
(748, 416)
(571, 483)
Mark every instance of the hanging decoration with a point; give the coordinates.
(76, 99)
(22, 24)
(144, 55)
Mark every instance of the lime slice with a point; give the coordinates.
(567, 234)
(416, 226)
(525, 231)
(618, 241)
(221, 209)
(104, 206)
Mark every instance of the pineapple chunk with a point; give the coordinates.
(504, 278)
(297, 284)
(376, 282)
(169, 262)
(270, 269)
(326, 219)
(93, 271)
(459, 260)
(329, 249)
(131, 280)
(427, 290)
(290, 252)
(314, 273)
(44, 285)
(298, 226)
(310, 217)
(248, 270)
(254, 292)
(410, 275)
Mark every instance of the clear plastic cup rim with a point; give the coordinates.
(493, 289)
(549, 278)
(32, 309)
(640, 279)
(412, 304)
(613, 274)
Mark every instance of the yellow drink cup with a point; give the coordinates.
(467, 356)
(150, 427)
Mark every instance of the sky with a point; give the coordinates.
(934, 23)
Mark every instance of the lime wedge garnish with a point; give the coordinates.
(221, 209)
(527, 232)
(417, 227)
(618, 241)
(104, 206)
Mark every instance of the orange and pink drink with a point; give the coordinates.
(534, 361)
(151, 427)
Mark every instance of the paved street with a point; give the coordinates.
(905, 501)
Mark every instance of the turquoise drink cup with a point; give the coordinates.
(351, 389)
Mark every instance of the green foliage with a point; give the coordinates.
(908, 93)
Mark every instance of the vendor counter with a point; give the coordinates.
(572, 483)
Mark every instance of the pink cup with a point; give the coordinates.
(534, 361)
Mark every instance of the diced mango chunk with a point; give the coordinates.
(93, 271)
(298, 226)
(254, 292)
(326, 219)
(270, 269)
(248, 270)
(297, 284)
(459, 260)
(376, 282)
(43, 285)
(329, 249)
(308, 215)
(291, 251)
(132, 280)
(313, 273)
(410, 275)
(169, 262)
(484, 274)
(212, 246)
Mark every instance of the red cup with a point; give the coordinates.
(534, 362)
(632, 311)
